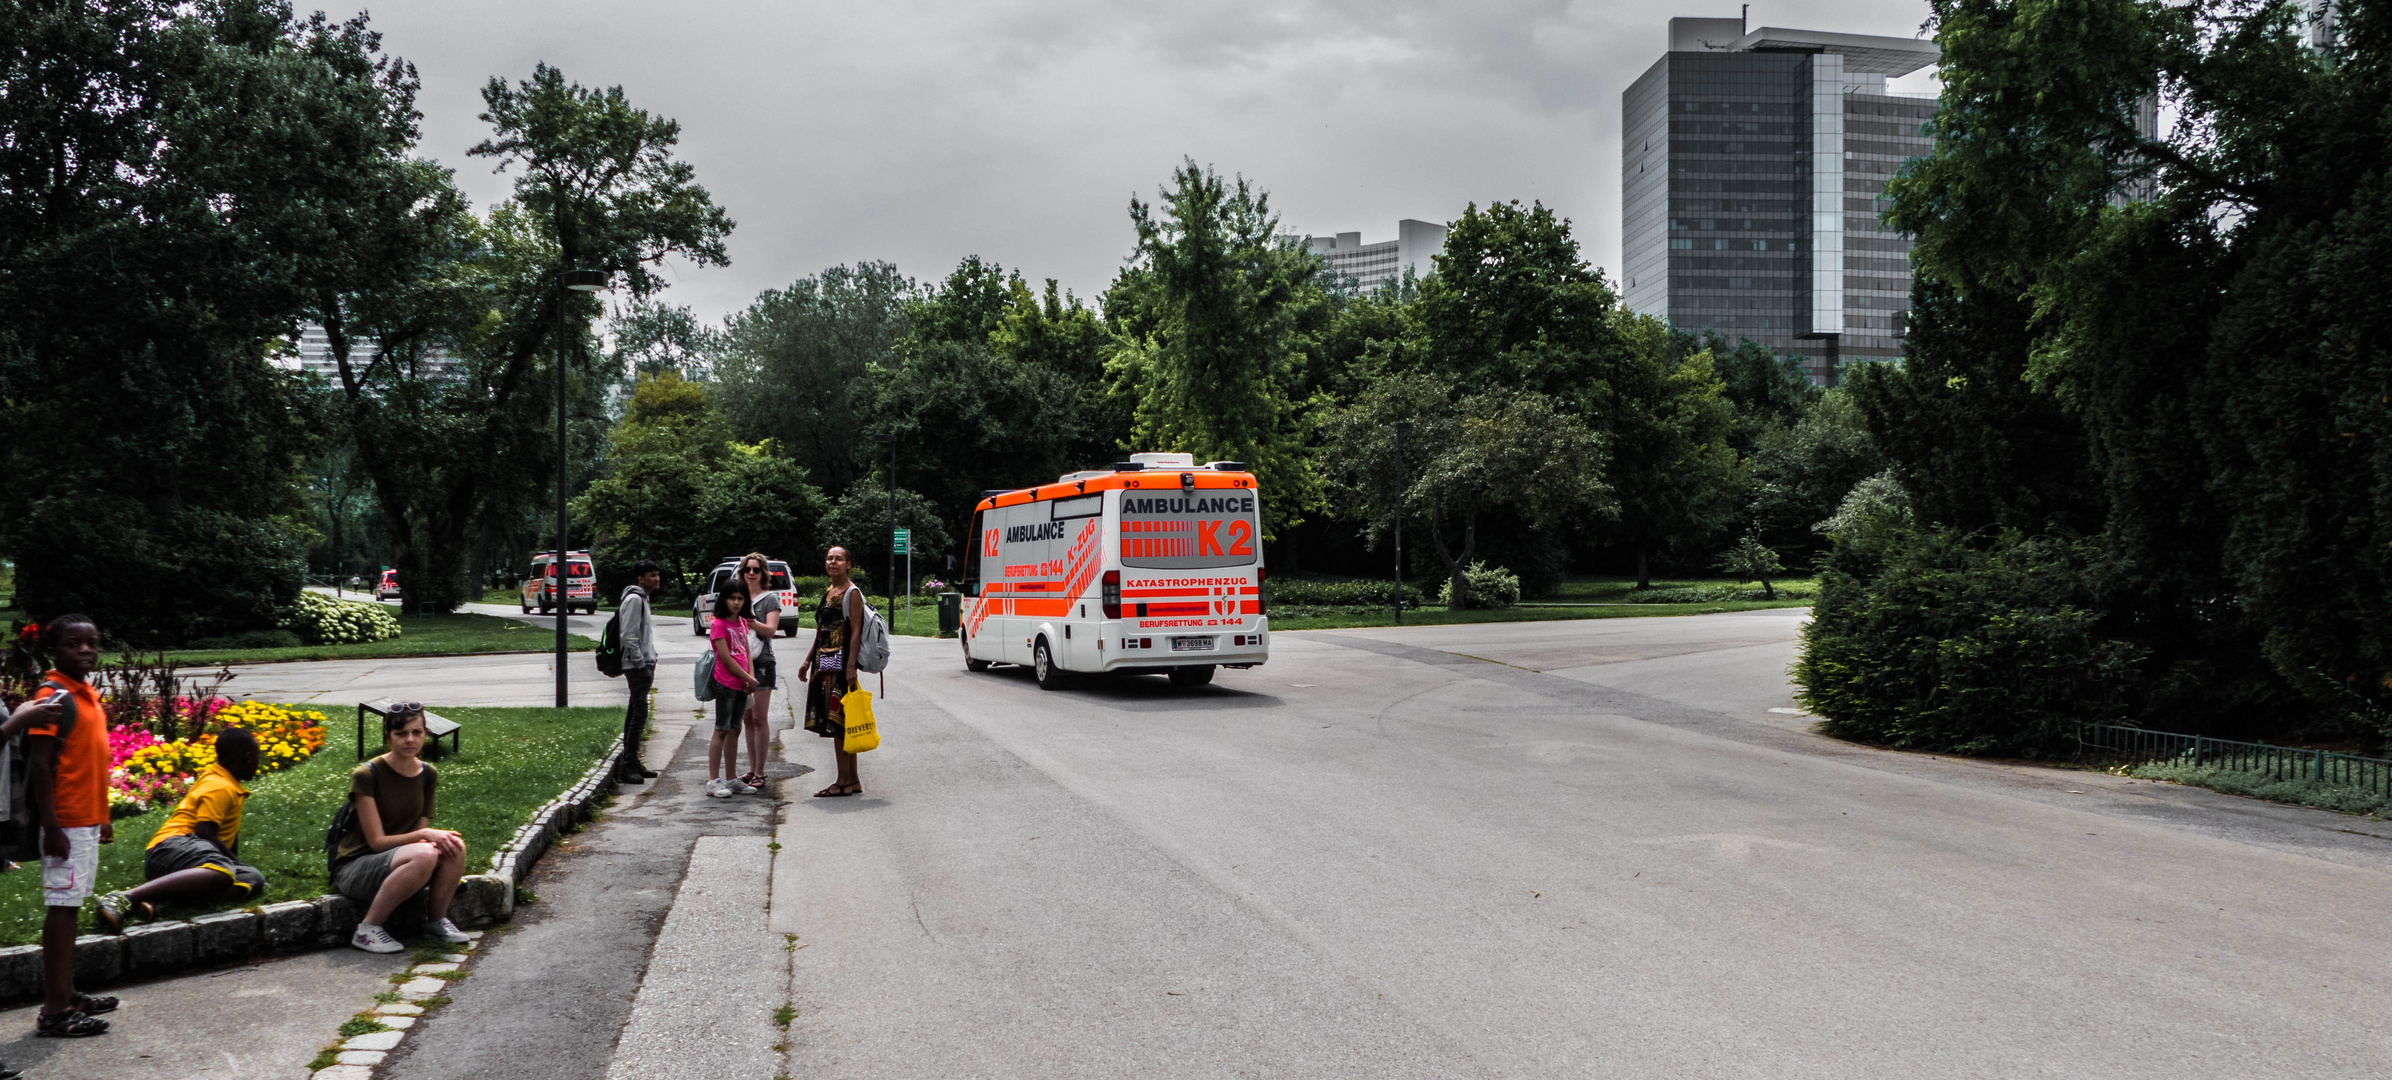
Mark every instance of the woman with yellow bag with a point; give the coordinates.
(830, 674)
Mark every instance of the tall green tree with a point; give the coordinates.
(174, 180)
(2188, 305)
(1211, 308)
(991, 387)
(795, 366)
(1513, 304)
(1465, 458)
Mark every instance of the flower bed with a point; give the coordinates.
(146, 771)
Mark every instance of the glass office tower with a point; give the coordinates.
(1752, 167)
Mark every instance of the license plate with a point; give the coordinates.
(1192, 644)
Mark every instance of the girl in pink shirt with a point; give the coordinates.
(733, 682)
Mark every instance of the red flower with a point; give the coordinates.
(28, 630)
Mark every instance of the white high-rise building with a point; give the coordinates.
(312, 354)
(1415, 244)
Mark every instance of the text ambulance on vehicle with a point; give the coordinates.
(1153, 565)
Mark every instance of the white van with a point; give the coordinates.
(701, 610)
(1153, 565)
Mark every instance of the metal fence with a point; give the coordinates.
(2277, 762)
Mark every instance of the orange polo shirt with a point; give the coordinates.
(80, 789)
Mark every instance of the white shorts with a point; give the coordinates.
(67, 882)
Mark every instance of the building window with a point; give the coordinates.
(1682, 244)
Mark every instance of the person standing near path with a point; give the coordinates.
(635, 633)
(391, 849)
(67, 789)
(764, 616)
(830, 668)
(733, 682)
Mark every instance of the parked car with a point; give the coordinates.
(389, 589)
(701, 612)
(581, 583)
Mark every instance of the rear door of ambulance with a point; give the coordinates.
(1191, 577)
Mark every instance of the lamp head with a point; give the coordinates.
(584, 280)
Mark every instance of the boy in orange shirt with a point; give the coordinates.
(193, 857)
(67, 786)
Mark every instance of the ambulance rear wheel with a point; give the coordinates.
(1042, 667)
(970, 664)
(1192, 675)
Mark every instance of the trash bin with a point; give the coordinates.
(950, 613)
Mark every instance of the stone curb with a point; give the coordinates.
(162, 948)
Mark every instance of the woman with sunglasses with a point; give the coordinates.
(391, 849)
(764, 616)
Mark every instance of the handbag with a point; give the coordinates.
(858, 733)
(705, 672)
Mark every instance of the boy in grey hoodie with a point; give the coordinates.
(637, 635)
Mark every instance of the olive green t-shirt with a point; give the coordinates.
(400, 800)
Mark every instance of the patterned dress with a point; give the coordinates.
(830, 667)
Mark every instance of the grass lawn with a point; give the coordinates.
(462, 634)
(1437, 616)
(1623, 590)
(515, 760)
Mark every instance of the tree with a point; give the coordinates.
(1212, 346)
(455, 455)
(2150, 349)
(860, 522)
(991, 387)
(652, 338)
(1800, 474)
(678, 491)
(794, 367)
(1465, 457)
(1667, 418)
(1770, 390)
(174, 180)
(1751, 560)
(1513, 305)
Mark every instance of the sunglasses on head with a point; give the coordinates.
(407, 708)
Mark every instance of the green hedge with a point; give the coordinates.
(1928, 639)
(1363, 593)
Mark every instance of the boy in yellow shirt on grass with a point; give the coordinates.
(192, 858)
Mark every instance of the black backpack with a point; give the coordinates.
(610, 647)
(345, 819)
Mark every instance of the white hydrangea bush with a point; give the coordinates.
(322, 620)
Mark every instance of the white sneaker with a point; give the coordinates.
(739, 787)
(720, 789)
(374, 939)
(447, 931)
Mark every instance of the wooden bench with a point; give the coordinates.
(436, 728)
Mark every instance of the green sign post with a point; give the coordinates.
(905, 546)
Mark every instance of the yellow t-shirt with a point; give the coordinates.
(216, 797)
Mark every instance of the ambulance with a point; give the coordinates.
(1151, 566)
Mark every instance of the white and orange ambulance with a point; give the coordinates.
(1151, 566)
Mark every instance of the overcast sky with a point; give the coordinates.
(921, 131)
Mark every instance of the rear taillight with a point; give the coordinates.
(1261, 574)
(1112, 594)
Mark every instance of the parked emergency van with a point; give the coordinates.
(581, 583)
(1153, 565)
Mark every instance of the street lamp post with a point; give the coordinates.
(586, 281)
(889, 590)
(1402, 428)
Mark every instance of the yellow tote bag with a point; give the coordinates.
(860, 733)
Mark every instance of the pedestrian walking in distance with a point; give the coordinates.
(636, 634)
(764, 615)
(733, 682)
(830, 667)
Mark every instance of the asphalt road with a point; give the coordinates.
(1558, 849)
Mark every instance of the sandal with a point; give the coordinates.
(71, 1024)
(89, 1005)
(835, 791)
